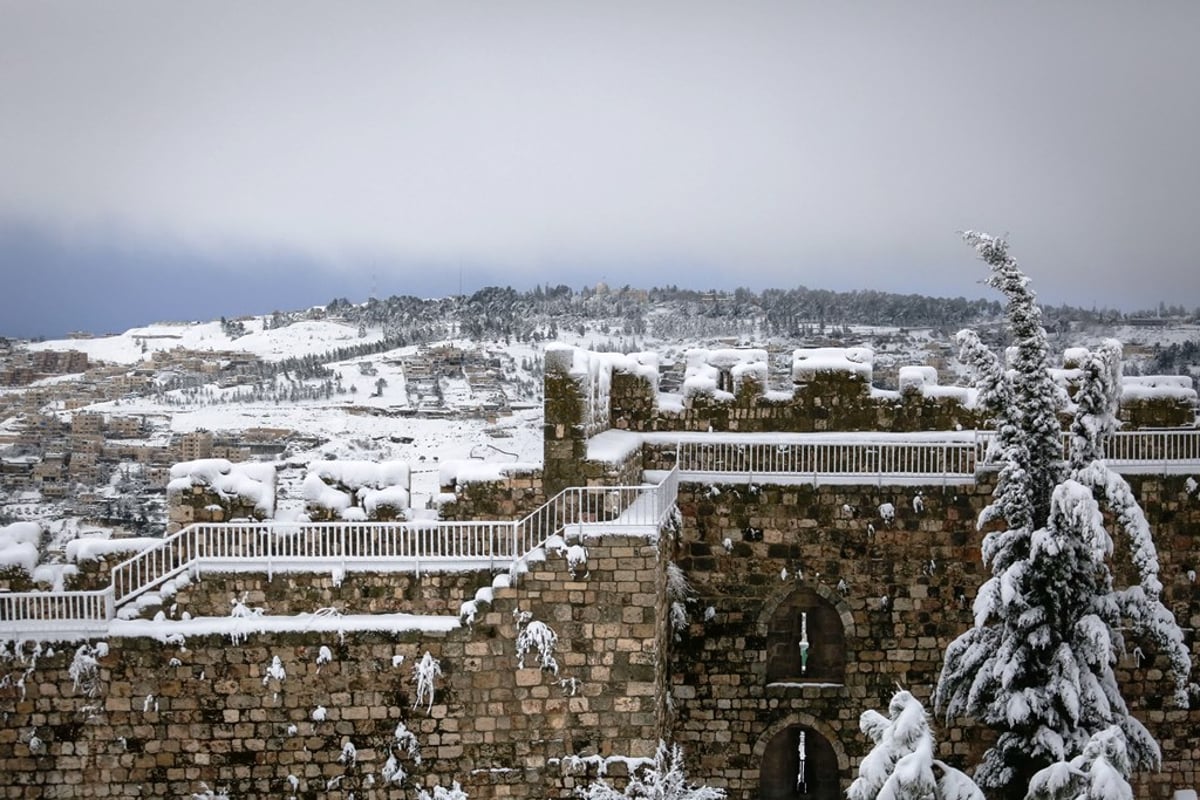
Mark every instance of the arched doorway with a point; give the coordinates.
(781, 776)
(805, 615)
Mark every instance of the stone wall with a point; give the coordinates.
(338, 592)
(512, 496)
(830, 400)
(1159, 412)
(564, 434)
(170, 719)
(206, 504)
(885, 591)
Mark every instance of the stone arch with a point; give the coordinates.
(775, 752)
(829, 623)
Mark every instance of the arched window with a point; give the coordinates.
(806, 616)
(799, 764)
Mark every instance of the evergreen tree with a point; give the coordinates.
(1037, 665)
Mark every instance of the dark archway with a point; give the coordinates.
(806, 608)
(779, 770)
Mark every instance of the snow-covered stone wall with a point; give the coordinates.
(357, 490)
(325, 714)
(831, 390)
(216, 490)
(475, 490)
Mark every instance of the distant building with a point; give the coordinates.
(194, 445)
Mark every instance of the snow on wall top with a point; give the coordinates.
(251, 481)
(594, 372)
(373, 483)
(454, 473)
(613, 447)
(93, 548)
(704, 367)
(358, 474)
(1157, 387)
(923, 380)
(915, 378)
(18, 545)
(808, 362)
(579, 362)
(1075, 357)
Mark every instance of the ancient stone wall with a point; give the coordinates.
(511, 496)
(334, 592)
(828, 402)
(206, 504)
(885, 581)
(173, 719)
(1159, 412)
(818, 400)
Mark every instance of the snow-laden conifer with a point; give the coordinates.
(1037, 664)
(901, 765)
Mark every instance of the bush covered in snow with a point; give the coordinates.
(85, 668)
(901, 765)
(663, 779)
(455, 792)
(535, 635)
(1100, 772)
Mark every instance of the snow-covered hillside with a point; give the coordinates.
(305, 337)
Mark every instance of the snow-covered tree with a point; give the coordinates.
(1037, 664)
(664, 779)
(1098, 773)
(901, 765)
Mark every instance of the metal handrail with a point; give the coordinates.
(822, 457)
(1162, 452)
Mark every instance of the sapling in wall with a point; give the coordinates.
(679, 593)
(425, 675)
(535, 635)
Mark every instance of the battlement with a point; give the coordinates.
(831, 390)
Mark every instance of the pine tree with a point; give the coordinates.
(1037, 665)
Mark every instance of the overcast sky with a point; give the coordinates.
(187, 160)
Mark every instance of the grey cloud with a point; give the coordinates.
(837, 145)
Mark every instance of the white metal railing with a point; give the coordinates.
(824, 458)
(1161, 452)
(405, 545)
(34, 612)
(922, 458)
